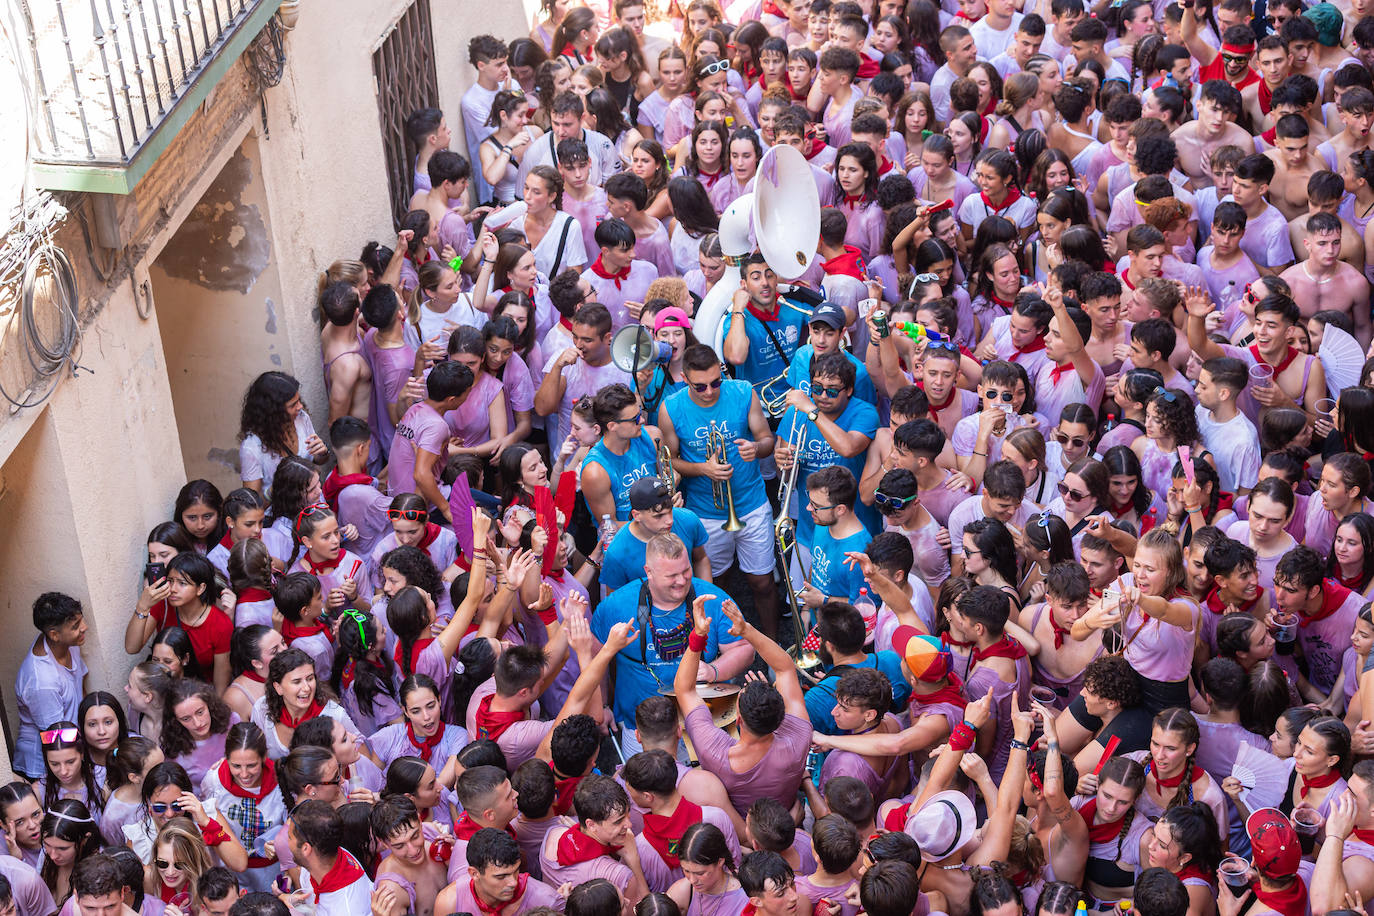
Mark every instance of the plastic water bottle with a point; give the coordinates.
(1110, 424)
(607, 531)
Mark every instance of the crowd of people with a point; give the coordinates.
(1014, 557)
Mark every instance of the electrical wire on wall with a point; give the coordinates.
(266, 63)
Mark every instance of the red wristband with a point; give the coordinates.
(548, 616)
(696, 642)
(961, 737)
(213, 833)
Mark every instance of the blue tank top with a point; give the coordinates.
(639, 460)
(693, 424)
(764, 362)
(857, 416)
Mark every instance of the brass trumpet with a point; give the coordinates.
(785, 540)
(775, 405)
(721, 490)
(665, 467)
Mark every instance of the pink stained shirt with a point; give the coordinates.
(941, 501)
(836, 118)
(656, 248)
(1033, 361)
(391, 368)
(815, 893)
(865, 230)
(588, 214)
(421, 429)
(1052, 397)
(778, 775)
(1324, 638)
(580, 379)
(1157, 650)
(364, 507)
(471, 420)
(537, 894)
(614, 293)
(520, 741)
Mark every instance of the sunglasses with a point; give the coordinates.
(1162, 392)
(927, 278)
(1070, 441)
(827, 391)
(703, 387)
(160, 808)
(889, 504)
(717, 67)
(993, 394)
(949, 346)
(164, 865)
(410, 515)
(308, 511)
(636, 419)
(358, 618)
(1235, 58)
(54, 735)
(1066, 490)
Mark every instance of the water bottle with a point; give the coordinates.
(1110, 424)
(607, 531)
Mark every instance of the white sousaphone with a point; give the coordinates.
(783, 214)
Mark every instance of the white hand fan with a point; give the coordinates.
(1342, 358)
(1264, 776)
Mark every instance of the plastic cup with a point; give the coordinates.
(1285, 627)
(1261, 375)
(1307, 822)
(1326, 405)
(1045, 696)
(1235, 871)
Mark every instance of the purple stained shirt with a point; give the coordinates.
(531, 836)
(1157, 650)
(30, 893)
(471, 420)
(393, 741)
(1226, 284)
(865, 230)
(1265, 563)
(815, 893)
(588, 214)
(614, 293)
(656, 248)
(611, 869)
(984, 680)
(940, 501)
(207, 753)
(836, 119)
(537, 635)
(519, 742)
(1221, 741)
(728, 903)
(778, 775)
(384, 709)
(364, 507)
(580, 380)
(537, 894)
(1052, 397)
(47, 693)
(1325, 638)
(963, 186)
(421, 429)
(1033, 361)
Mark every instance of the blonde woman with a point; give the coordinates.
(354, 272)
(180, 857)
(438, 305)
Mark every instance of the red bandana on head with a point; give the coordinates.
(290, 721)
(575, 847)
(493, 725)
(665, 833)
(599, 268)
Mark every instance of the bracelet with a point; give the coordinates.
(1020, 745)
(1191, 509)
(506, 150)
(980, 454)
(696, 642)
(142, 616)
(547, 616)
(593, 562)
(962, 736)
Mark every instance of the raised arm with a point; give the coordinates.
(1199, 304)
(391, 274)
(685, 683)
(774, 656)
(1202, 52)
(891, 593)
(1074, 344)
(452, 634)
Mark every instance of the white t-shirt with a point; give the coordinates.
(1235, 444)
(437, 323)
(256, 463)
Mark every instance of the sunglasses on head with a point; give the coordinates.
(1070, 441)
(410, 515)
(1066, 490)
(703, 387)
(308, 511)
(946, 345)
(889, 504)
(717, 67)
(1162, 392)
(54, 735)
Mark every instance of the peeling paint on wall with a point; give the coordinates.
(229, 457)
(223, 244)
(271, 306)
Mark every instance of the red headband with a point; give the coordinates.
(1227, 48)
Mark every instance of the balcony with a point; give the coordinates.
(111, 82)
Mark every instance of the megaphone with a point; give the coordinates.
(783, 215)
(634, 347)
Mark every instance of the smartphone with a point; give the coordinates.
(154, 571)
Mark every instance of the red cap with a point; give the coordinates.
(1274, 842)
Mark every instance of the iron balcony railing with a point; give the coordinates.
(111, 82)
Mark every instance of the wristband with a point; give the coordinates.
(548, 616)
(1020, 745)
(213, 834)
(1191, 509)
(696, 642)
(962, 736)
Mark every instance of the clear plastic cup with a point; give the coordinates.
(1235, 871)
(1285, 627)
(1045, 696)
(1261, 375)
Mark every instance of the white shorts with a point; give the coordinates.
(753, 543)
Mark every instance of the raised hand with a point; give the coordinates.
(701, 624)
(733, 614)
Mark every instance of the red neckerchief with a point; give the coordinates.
(1266, 97)
(952, 692)
(1100, 833)
(951, 641)
(346, 870)
(575, 847)
(1057, 371)
(1006, 647)
(566, 324)
(1013, 195)
(431, 533)
(227, 542)
(1122, 509)
(335, 483)
(1110, 267)
(269, 781)
(1034, 346)
(764, 316)
(1192, 871)
(528, 292)
(817, 146)
(1352, 583)
(868, 68)
(665, 833)
(1364, 835)
(772, 9)
(1333, 596)
(894, 821)
(848, 263)
(1213, 602)
(254, 676)
(936, 408)
(967, 18)
(564, 787)
(414, 653)
(291, 632)
(1059, 632)
(1278, 370)
(465, 828)
(425, 746)
(1306, 785)
(290, 721)
(520, 884)
(1173, 782)
(1291, 901)
(1126, 280)
(250, 595)
(494, 724)
(599, 268)
(318, 569)
(854, 200)
(708, 179)
(1000, 302)
(885, 165)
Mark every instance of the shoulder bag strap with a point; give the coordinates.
(562, 243)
